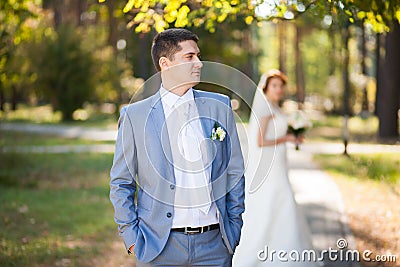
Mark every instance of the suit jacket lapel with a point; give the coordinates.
(207, 122)
(204, 113)
(158, 119)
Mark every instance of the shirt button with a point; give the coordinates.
(169, 214)
(172, 187)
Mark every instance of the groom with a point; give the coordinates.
(177, 181)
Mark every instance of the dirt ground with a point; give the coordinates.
(115, 256)
(373, 211)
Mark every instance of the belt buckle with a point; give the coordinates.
(191, 232)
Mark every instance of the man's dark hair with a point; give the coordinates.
(166, 44)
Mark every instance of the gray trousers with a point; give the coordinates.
(205, 249)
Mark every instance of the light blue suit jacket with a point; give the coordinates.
(142, 184)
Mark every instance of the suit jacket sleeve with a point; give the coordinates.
(123, 183)
(236, 181)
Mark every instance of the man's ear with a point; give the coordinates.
(163, 63)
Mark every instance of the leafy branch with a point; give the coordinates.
(162, 14)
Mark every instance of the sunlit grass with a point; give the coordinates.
(34, 114)
(358, 125)
(54, 208)
(377, 167)
(330, 128)
(12, 139)
(329, 121)
(42, 225)
(45, 115)
(355, 123)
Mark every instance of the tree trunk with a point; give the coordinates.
(378, 70)
(346, 80)
(332, 54)
(246, 44)
(364, 69)
(143, 45)
(79, 8)
(389, 93)
(58, 14)
(14, 97)
(300, 83)
(2, 98)
(282, 46)
(112, 26)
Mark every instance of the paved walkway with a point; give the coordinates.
(320, 200)
(315, 191)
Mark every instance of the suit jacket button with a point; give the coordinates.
(172, 187)
(169, 214)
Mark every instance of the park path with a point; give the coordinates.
(101, 134)
(319, 198)
(316, 193)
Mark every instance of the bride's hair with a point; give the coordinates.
(274, 73)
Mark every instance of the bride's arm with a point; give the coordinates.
(262, 132)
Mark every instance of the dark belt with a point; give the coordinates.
(196, 230)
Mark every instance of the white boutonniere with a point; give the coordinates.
(218, 133)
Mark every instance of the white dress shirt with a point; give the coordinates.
(193, 206)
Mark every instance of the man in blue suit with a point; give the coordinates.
(177, 182)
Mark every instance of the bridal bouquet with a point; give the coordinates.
(298, 123)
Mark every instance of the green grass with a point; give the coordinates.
(12, 138)
(378, 167)
(45, 115)
(54, 208)
(34, 114)
(329, 121)
(330, 128)
(53, 170)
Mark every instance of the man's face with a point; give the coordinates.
(185, 68)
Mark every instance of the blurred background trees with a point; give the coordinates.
(348, 23)
(64, 53)
(64, 70)
(341, 56)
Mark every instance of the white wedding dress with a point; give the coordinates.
(272, 221)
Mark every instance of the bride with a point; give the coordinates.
(272, 221)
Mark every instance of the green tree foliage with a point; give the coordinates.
(181, 13)
(15, 16)
(64, 70)
(161, 14)
(379, 14)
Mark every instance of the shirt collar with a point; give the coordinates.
(170, 98)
